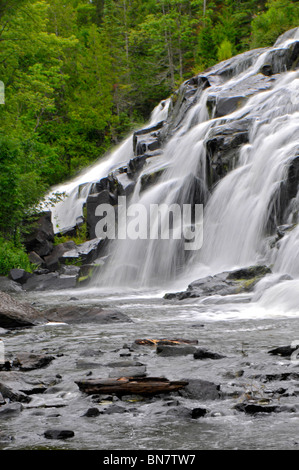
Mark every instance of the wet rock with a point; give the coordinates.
(92, 413)
(201, 390)
(13, 395)
(177, 350)
(2, 401)
(226, 283)
(7, 285)
(278, 377)
(114, 409)
(50, 281)
(10, 410)
(70, 270)
(14, 314)
(142, 132)
(35, 259)
(52, 261)
(139, 371)
(254, 408)
(16, 384)
(180, 412)
(202, 353)
(284, 351)
(58, 434)
(84, 253)
(19, 275)
(93, 201)
(198, 413)
(77, 314)
(27, 361)
(41, 236)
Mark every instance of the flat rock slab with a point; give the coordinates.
(17, 386)
(14, 314)
(77, 314)
(130, 386)
(26, 362)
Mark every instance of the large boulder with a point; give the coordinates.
(226, 283)
(14, 314)
(52, 261)
(41, 235)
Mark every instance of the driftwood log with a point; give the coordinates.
(146, 386)
(164, 341)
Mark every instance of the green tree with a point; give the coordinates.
(280, 15)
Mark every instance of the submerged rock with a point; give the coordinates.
(201, 390)
(202, 353)
(58, 434)
(255, 408)
(77, 314)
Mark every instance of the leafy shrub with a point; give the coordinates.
(12, 257)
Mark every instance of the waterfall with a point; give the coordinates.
(243, 208)
(75, 192)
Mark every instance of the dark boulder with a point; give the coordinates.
(19, 275)
(255, 408)
(93, 201)
(41, 235)
(284, 351)
(177, 350)
(202, 353)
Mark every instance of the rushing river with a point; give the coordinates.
(242, 332)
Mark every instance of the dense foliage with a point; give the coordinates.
(80, 74)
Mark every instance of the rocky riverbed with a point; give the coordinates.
(187, 375)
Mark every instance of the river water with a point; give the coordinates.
(242, 332)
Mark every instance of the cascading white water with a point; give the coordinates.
(236, 215)
(65, 212)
